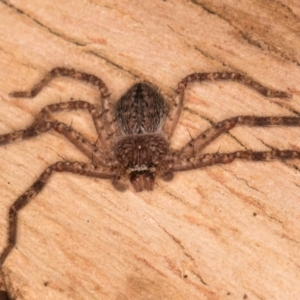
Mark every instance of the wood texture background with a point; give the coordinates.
(226, 232)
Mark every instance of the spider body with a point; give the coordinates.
(141, 113)
(133, 136)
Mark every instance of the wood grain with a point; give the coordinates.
(226, 232)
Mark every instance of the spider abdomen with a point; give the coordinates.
(142, 109)
(141, 152)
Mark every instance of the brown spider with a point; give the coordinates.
(133, 137)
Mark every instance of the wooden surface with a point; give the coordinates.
(226, 232)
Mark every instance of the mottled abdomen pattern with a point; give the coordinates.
(142, 109)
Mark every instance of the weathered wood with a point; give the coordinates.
(224, 232)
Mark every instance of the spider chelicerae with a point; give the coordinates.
(133, 136)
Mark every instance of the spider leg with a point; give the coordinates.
(103, 135)
(202, 140)
(198, 77)
(72, 167)
(108, 115)
(176, 109)
(63, 72)
(173, 115)
(79, 141)
(205, 160)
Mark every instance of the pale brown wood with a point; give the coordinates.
(226, 232)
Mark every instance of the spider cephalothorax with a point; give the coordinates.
(133, 136)
(141, 154)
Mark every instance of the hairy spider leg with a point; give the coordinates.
(232, 76)
(78, 140)
(103, 136)
(208, 136)
(65, 166)
(110, 125)
(176, 108)
(205, 160)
